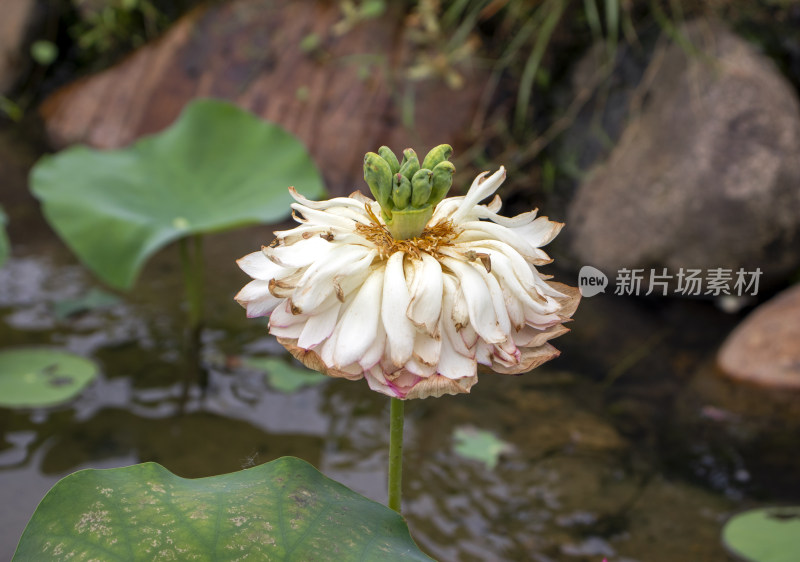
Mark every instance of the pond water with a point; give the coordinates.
(620, 449)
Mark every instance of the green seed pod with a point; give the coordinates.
(401, 191)
(410, 163)
(421, 185)
(409, 223)
(386, 153)
(441, 179)
(437, 155)
(378, 176)
(408, 154)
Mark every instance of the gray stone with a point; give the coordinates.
(707, 172)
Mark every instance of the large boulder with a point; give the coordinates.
(705, 174)
(340, 95)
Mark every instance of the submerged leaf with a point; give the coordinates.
(42, 377)
(217, 167)
(284, 377)
(281, 510)
(479, 445)
(93, 299)
(769, 534)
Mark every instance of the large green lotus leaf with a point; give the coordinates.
(217, 167)
(42, 377)
(769, 534)
(282, 510)
(5, 247)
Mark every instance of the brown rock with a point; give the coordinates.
(765, 348)
(336, 98)
(706, 175)
(17, 16)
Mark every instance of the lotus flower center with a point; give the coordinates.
(429, 241)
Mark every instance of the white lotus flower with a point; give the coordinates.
(415, 317)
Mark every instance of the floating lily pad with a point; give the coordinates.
(769, 534)
(42, 377)
(5, 246)
(94, 299)
(479, 445)
(216, 168)
(284, 377)
(282, 510)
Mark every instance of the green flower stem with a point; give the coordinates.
(396, 455)
(192, 265)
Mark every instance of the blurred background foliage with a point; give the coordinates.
(528, 47)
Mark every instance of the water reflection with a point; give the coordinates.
(619, 449)
(190, 445)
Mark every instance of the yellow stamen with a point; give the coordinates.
(431, 239)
